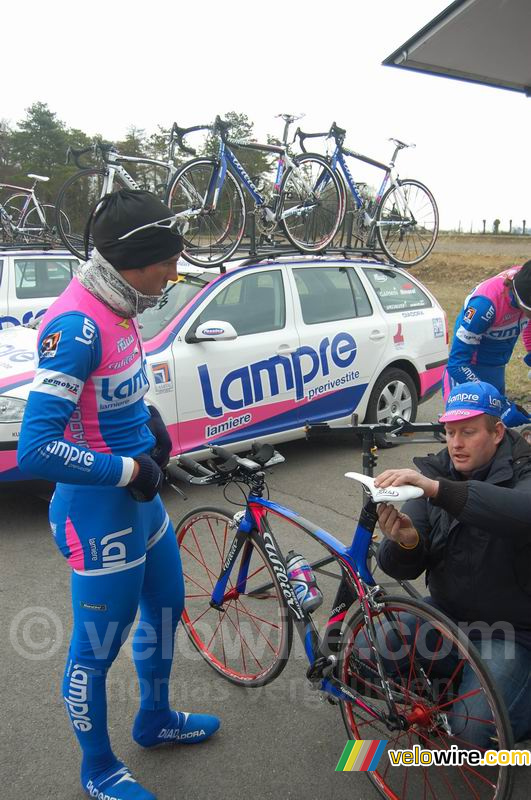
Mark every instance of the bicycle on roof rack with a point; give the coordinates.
(403, 217)
(400, 671)
(25, 220)
(82, 190)
(305, 203)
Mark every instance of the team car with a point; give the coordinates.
(264, 349)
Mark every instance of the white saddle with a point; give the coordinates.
(392, 494)
(38, 177)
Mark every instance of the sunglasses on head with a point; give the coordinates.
(170, 224)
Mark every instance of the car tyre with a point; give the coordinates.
(393, 394)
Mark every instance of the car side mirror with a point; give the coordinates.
(211, 331)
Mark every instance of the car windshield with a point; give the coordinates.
(174, 298)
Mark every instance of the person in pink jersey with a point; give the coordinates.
(87, 427)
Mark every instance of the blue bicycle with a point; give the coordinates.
(305, 201)
(395, 666)
(403, 217)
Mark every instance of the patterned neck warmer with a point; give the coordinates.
(103, 281)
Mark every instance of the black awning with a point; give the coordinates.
(483, 41)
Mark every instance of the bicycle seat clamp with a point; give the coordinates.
(391, 494)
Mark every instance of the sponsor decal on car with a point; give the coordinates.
(162, 377)
(438, 327)
(398, 338)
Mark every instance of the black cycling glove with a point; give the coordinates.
(162, 450)
(149, 480)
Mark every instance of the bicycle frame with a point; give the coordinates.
(113, 163)
(31, 197)
(357, 582)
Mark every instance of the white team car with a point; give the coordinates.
(265, 348)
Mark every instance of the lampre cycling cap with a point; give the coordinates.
(472, 399)
(522, 286)
(124, 211)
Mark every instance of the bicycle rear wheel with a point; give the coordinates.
(426, 659)
(407, 223)
(312, 203)
(248, 641)
(75, 201)
(213, 235)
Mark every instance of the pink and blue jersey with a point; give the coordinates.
(85, 419)
(485, 334)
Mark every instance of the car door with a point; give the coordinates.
(239, 389)
(343, 339)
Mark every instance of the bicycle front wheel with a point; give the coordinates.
(444, 697)
(213, 234)
(312, 203)
(75, 201)
(248, 640)
(407, 223)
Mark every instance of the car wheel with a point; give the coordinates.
(393, 395)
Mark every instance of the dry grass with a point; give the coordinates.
(460, 262)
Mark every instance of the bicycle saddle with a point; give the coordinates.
(400, 144)
(392, 494)
(37, 177)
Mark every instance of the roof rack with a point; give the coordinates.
(29, 246)
(273, 253)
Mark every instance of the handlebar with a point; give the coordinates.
(99, 146)
(180, 133)
(228, 467)
(335, 132)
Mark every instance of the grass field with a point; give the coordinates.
(459, 262)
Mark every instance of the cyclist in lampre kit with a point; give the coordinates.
(87, 427)
(486, 331)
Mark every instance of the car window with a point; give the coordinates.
(330, 293)
(43, 277)
(174, 298)
(254, 303)
(395, 291)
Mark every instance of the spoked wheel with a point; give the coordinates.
(213, 235)
(407, 223)
(248, 640)
(312, 203)
(444, 699)
(75, 201)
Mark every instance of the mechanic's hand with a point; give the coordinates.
(163, 445)
(397, 526)
(147, 479)
(515, 415)
(401, 477)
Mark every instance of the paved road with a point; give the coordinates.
(279, 741)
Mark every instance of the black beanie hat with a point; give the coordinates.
(123, 211)
(522, 285)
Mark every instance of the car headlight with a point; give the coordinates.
(11, 409)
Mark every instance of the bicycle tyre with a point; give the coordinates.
(229, 648)
(482, 783)
(407, 246)
(214, 236)
(75, 201)
(13, 206)
(312, 231)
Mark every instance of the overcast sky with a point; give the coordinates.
(103, 66)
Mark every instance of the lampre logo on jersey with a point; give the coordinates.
(121, 389)
(50, 344)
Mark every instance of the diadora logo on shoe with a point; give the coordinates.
(244, 386)
(116, 391)
(76, 700)
(175, 733)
